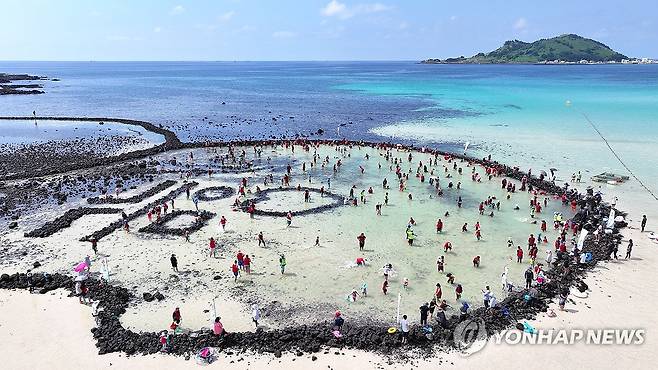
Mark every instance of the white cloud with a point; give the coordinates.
(226, 16)
(453, 18)
(337, 9)
(521, 24)
(157, 29)
(283, 34)
(403, 25)
(334, 8)
(178, 9)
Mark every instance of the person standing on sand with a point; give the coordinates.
(174, 262)
(255, 314)
(643, 224)
(213, 247)
(236, 270)
(362, 241)
(629, 249)
(289, 219)
(282, 263)
(222, 222)
(247, 264)
(519, 254)
(385, 286)
(317, 241)
(261, 239)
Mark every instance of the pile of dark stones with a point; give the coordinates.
(135, 198)
(65, 220)
(337, 201)
(161, 228)
(214, 193)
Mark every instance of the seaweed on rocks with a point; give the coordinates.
(135, 198)
(337, 201)
(65, 220)
(160, 227)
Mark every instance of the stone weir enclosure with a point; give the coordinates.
(253, 202)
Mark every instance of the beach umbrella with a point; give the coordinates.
(80, 267)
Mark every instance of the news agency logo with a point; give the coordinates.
(470, 336)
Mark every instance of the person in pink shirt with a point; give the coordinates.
(218, 328)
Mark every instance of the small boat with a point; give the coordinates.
(610, 178)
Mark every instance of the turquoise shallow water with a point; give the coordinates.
(518, 113)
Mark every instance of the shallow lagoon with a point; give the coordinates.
(36, 131)
(319, 278)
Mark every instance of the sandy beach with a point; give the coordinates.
(35, 342)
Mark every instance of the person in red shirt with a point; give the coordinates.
(476, 261)
(439, 226)
(213, 247)
(247, 264)
(531, 241)
(458, 291)
(360, 261)
(519, 254)
(240, 259)
(543, 226)
(438, 293)
(478, 234)
(447, 246)
(236, 270)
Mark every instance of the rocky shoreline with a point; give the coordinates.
(111, 336)
(8, 88)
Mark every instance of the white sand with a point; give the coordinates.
(622, 296)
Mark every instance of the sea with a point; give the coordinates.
(533, 116)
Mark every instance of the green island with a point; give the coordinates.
(564, 49)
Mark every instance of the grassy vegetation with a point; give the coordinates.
(569, 48)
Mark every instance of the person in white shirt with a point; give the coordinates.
(255, 314)
(404, 329)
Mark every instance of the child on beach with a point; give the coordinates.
(385, 286)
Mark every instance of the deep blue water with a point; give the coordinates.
(355, 96)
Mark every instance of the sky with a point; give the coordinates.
(310, 29)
